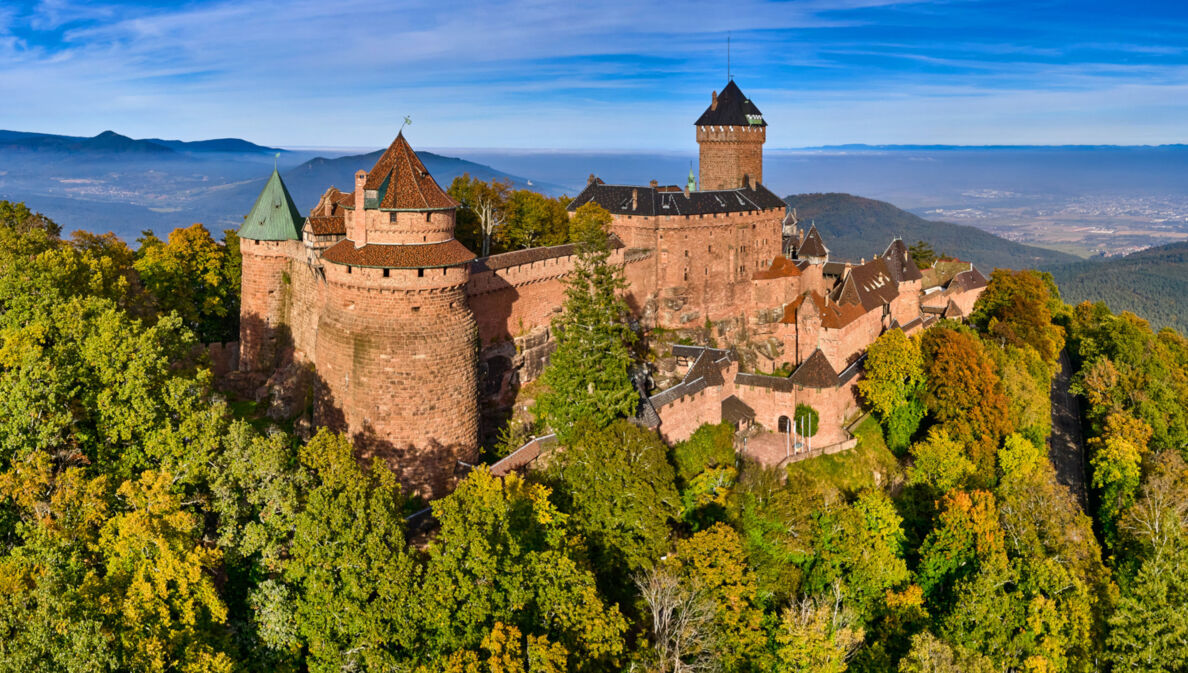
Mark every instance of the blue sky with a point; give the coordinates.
(609, 75)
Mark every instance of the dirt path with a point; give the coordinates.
(1066, 446)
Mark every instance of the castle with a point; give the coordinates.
(408, 334)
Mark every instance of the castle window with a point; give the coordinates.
(416, 309)
(686, 274)
(420, 273)
(348, 269)
(391, 217)
(387, 272)
(427, 217)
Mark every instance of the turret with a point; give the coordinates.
(397, 341)
(269, 238)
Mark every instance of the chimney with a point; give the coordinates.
(653, 184)
(714, 101)
(746, 181)
(686, 190)
(357, 227)
(635, 199)
(590, 180)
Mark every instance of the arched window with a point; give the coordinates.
(785, 424)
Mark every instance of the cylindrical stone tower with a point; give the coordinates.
(397, 343)
(270, 239)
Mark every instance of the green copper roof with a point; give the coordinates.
(274, 217)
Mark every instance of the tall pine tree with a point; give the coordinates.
(587, 376)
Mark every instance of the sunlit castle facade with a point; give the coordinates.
(412, 340)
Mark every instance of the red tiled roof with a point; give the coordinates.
(833, 315)
(427, 255)
(402, 181)
(322, 225)
(781, 267)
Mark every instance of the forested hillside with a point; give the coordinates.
(145, 526)
(1152, 283)
(854, 227)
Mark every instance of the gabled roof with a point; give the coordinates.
(781, 267)
(833, 315)
(731, 108)
(953, 310)
(871, 284)
(900, 263)
(815, 372)
(812, 246)
(274, 217)
(651, 201)
(735, 410)
(401, 182)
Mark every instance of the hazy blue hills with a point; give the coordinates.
(108, 142)
(221, 145)
(308, 181)
(854, 227)
(1151, 283)
(111, 182)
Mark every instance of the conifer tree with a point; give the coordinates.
(587, 376)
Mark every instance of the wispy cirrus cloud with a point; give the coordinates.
(620, 74)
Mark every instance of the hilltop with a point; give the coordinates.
(1152, 283)
(855, 227)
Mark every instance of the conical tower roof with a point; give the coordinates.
(399, 181)
(274, 217)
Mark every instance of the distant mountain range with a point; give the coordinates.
(111, 182)
(110, 142)
(308, 181)
(854, 227)
(1151, 283)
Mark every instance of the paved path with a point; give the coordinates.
(1066, 446)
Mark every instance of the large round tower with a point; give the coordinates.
(731, 133)
(397, 341)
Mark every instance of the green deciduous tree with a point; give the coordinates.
(195, 276)
(1017, 307)
(505, 554)
(587, 376)
(893, 384)
(816, 636)
(939, 461)
(713, 564)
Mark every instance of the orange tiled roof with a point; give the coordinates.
(833, 315)
(781, 267)
(402, 183)
(428, 255)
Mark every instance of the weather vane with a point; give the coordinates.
(407, 122)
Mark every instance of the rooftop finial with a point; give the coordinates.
(407, 122)
(275, 159)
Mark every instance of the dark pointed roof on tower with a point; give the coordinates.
(731, 108)
(400, 181)
(274, 217)
(812, 246)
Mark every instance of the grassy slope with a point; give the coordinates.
(1152, 283)
(854, 227)
(853, 470)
